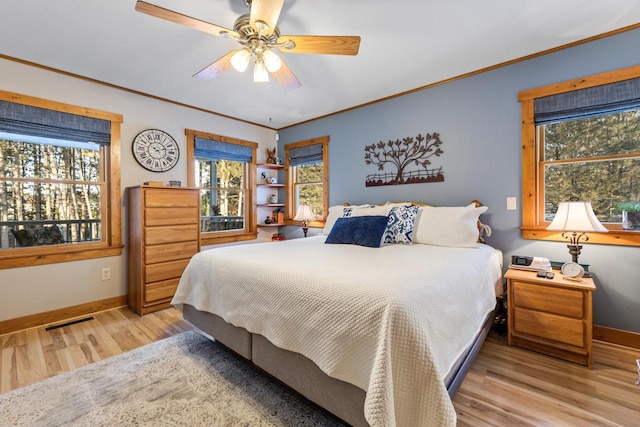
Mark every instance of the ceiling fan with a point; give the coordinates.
(258, 34)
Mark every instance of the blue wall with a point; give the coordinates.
(478, 119)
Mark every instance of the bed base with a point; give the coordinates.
(340, 398)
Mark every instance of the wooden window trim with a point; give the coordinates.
(533, 224)
(251, 230)
(289, 180)
(111, 245)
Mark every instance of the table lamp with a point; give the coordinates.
(304, 214)
(575, 219)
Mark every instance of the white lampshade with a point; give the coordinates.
(240, 60)
(576, 216)
(271, 61)
(304, 214)
(260, 73)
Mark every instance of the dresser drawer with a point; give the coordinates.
(170, 252)
(170, 234)
(549, 326)
(167, 198)
(565, 302)
(160, 290)
(170, 216)
(164, 270)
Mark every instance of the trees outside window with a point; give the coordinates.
(595, 159)
(224, 169)
(222, 194)
(307, 167)
(52, 193)
(581, 141)
(60, 197)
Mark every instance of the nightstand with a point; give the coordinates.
(550, 316)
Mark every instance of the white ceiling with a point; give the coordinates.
(405, 45)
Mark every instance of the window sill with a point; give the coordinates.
(613, 237)
(27, 257)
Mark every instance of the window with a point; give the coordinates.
(59, 182)
(308, 177)
(223, 168)
(581, 141)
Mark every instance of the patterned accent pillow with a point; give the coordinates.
(400, 225)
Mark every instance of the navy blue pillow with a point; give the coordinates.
(359, 230)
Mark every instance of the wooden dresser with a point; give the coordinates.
(551, 316)
(164, 233)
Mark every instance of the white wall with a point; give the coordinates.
(31, 290)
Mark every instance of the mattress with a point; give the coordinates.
(391, 320)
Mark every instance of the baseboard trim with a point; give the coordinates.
(616, 336)
(62, 314)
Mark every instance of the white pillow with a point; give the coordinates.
(336, 212)
(371, 210)
(448, 226)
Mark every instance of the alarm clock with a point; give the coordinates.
(572, 271)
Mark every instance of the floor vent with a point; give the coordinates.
(73, 322)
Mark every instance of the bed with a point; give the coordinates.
(378, 336)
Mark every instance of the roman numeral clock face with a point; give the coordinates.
(155, 150)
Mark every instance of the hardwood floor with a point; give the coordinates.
(506, 386)
(35, 354)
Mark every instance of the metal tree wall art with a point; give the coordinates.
(410, 158)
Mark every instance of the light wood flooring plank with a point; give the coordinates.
(506, 386)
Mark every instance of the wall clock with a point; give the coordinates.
(155, 150)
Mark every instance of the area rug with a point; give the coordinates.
(184, 380)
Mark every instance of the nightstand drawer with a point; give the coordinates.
(565, 302)
(549, 326)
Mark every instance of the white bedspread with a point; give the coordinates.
(389, 320)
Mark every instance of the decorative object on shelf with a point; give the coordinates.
(272, 180)
(630, 215)
(304, 214)
(268, 220)
(263, 176)
(155, 150)
(280, 217)
(273, 198)
(175, 183)
(278, 236)
(271, 156)
(575, 219)
(402, 154)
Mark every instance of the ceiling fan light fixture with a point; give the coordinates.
(272, 61)
(260, 73)
(240, 60)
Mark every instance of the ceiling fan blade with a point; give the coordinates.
(286, 78)
(266, 11)
(219, 66)
(332, 45)
(178, 18)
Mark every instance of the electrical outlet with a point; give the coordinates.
(106, 273)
